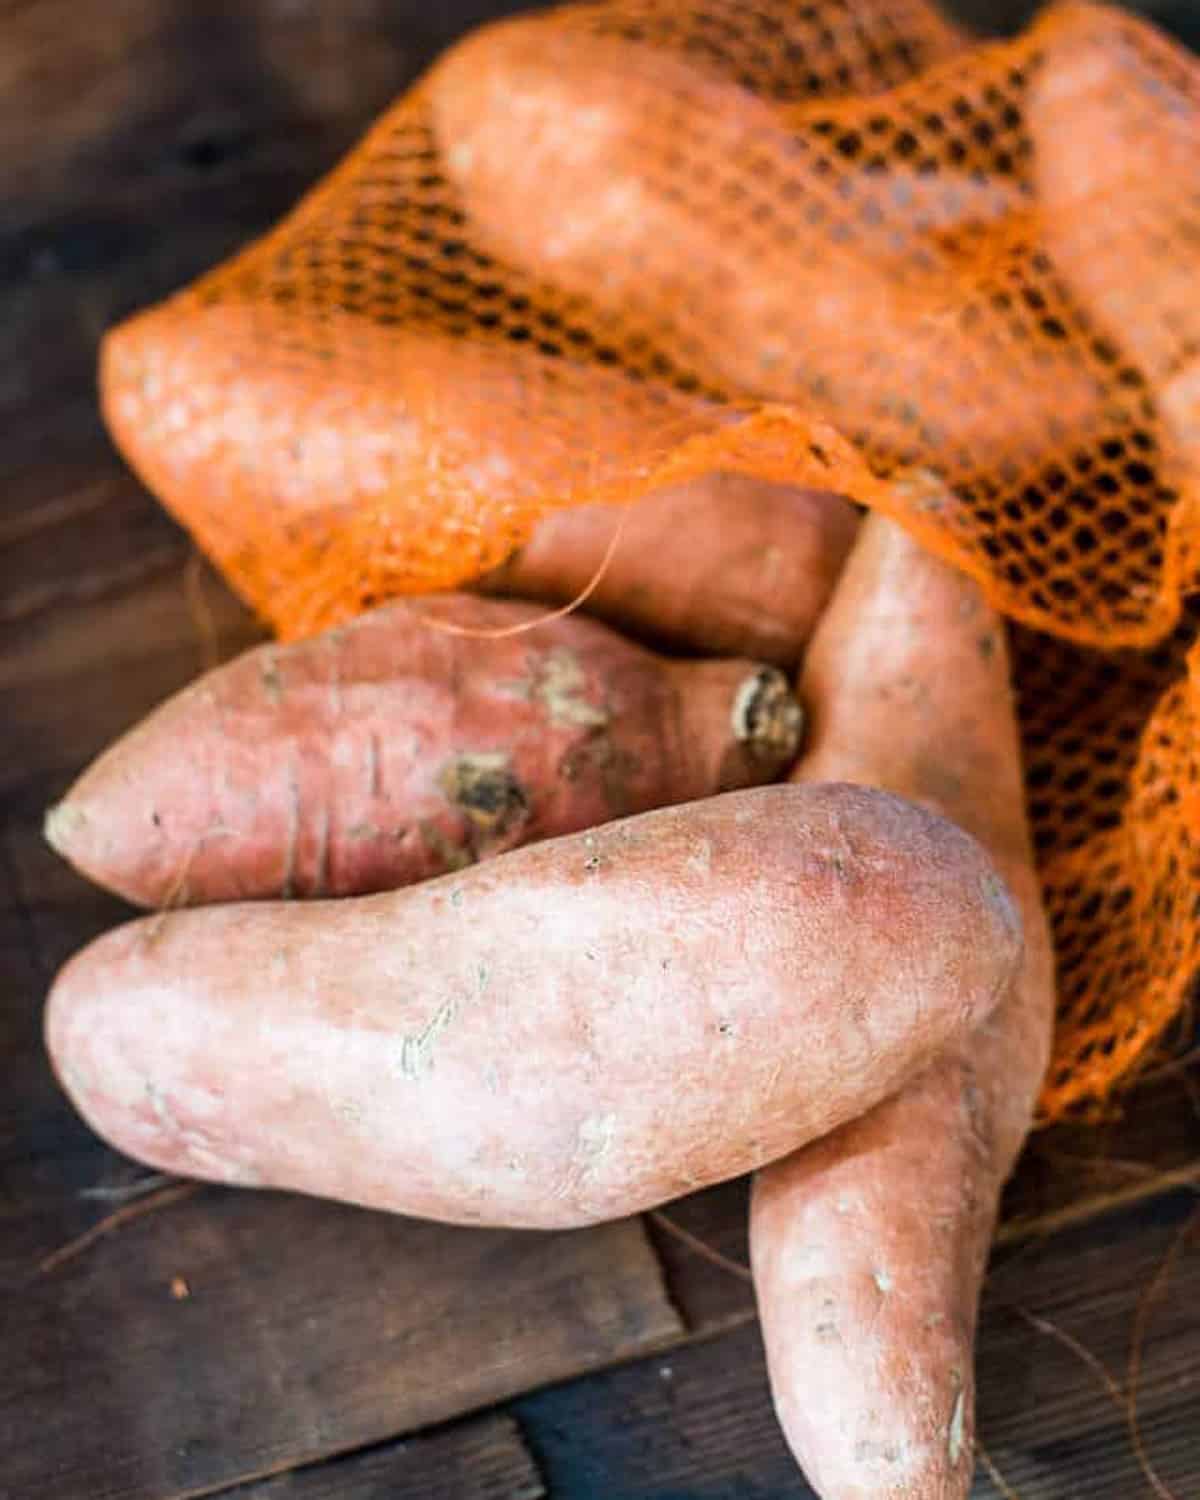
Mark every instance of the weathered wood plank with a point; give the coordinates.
(230, 1335)
(697, 1421)
(71, 683)
(477, 1460)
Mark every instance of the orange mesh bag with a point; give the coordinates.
(836, 244)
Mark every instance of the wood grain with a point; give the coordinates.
(230, 1335)
(478, 1460)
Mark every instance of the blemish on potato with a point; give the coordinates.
(416, 1051)
(63, 826)
(452, 856)
(699, 861)
(868, 1451)
(954, 1444)
(767, 717)
(594, 1141)
(559, 687)
(272, 679)
(485, 787)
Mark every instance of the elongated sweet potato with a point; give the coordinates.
(1117, 172)
(686, 207)
(1117, 165)
(575, 1031)
(869, 1247)
(268, 440)
(723, 564)
(389, 750)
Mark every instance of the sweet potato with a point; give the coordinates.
(723, 564)
(686, 208)
(389, 750)
(265, 435)
(1117, 168)
(931, 202)
(1117, 173)
(578, 1030)
(869, 1247)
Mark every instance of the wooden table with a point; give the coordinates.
(173, 1340)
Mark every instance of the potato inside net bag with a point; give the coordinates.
(838, 244)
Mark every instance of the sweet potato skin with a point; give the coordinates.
(282, 446)
(516, 1044)
(1117, 169)
(714, 256)
(723, 564)
(869, 1246)
(391, 750)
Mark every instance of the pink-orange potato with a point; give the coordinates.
(391, 750)
(572, 1032)
(723, 564)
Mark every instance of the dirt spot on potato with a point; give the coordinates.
(487, 789)
(956, 1436)
(453, 856)
(415, 1056)
(272, 678)
(597, 758)
(868, 1452)
(559, 687)
(767, 716)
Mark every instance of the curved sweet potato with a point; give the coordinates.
(685, 208)
(389, 750)
(576, 1031)
(722, 564)
(869, 1246)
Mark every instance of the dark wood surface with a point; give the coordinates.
(163, 1341)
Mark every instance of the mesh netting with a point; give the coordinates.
(835, 244)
